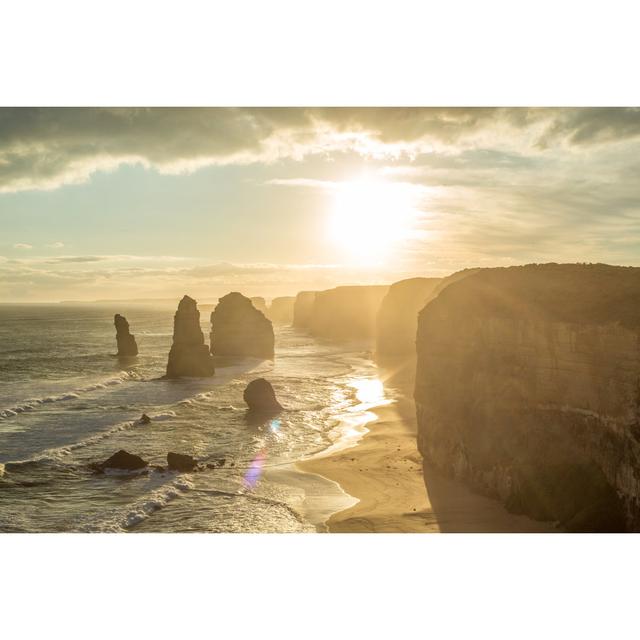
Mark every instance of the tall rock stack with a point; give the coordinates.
(126, 341)
(239, 329)
(189, 355)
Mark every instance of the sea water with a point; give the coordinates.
(66, 401)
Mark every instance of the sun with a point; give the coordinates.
(370, 218)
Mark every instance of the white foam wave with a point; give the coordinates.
(33, 403)
(144, 507)
(161, 417)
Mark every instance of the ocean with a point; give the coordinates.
(67, 401)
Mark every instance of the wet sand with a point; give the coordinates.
(396, 493)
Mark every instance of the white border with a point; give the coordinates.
(318, 53)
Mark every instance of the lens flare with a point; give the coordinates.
(254, 471)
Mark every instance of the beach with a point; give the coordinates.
(397, 493)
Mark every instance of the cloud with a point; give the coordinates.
(22, 245)
(22, 280)
(55, 245)
(301, 182)
(588, 126)
(44, 148)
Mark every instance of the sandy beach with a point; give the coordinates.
(396, 493)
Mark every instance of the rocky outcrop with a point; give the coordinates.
(397, 320)
(346, 313)
(528, 388)
(126, 342)
(180, 462)
(124, 461)
(303, 309)
(239, 329)
(260, 397)
(259, 303)
(281, 310)
(189, 355)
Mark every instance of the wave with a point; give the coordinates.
(34, 403)
(143, 508)
(58, 454)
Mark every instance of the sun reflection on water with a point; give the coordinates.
(369, 390)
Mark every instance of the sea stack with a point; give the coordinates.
(126, 341)
(189, 355)
(239, 329)
(281, 310)
(260, 397)
(527, 389)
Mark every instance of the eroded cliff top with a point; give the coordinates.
(573, 293)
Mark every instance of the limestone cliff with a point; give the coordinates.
(189, 355)
(397, 320)
(303, 309)
(346, 313)
(528, 387)
(281, 310)
(125, 340)
(259, 303)
(239, 329)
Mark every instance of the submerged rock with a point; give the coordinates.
(180, 462)
(260, 397)
(126, 341)
(123, 460)
(189, 355)
(239, 329)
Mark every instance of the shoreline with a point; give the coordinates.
(397, 492)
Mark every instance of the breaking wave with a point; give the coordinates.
(34, 403)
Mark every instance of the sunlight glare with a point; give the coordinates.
(371, 217)
(369, 390)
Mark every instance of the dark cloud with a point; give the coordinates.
(592, 125)
(47, 147)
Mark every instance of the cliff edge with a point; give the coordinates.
(397, 320)
(528, 387)
(347, 313)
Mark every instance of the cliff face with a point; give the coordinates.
(528, 387)
(125, 340)
(259, 303)
(281, 310)
(189, 355)
(397, 320)
(303, 309)
(347, 313)
(239, 329)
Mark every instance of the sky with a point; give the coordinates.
(155, 203)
